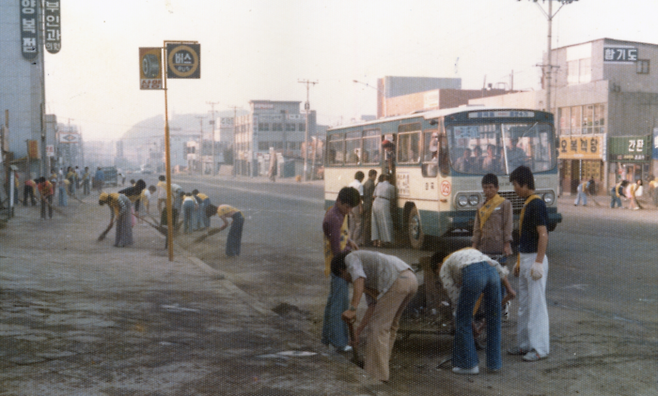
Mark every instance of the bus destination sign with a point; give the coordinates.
(501, 114)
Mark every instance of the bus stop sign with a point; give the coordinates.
(183, 60)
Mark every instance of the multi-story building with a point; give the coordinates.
(269, 124)
(605, 100)
(391, 87)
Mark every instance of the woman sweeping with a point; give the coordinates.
(234, 239)
(120, 207)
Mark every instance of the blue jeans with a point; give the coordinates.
(188, 216)
(334, 330)
(615, 200)
(478, 278)
(62, 195)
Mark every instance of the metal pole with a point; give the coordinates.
(170, 222)
(548, 55)
(307, 107)
(212, 105)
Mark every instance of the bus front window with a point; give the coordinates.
(501, 148)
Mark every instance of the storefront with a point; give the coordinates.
(629, 158)
(581, 157)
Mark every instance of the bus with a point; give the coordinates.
(439, 158)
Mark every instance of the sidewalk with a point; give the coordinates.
(81, 317)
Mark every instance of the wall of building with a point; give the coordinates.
(20, 82)
(632, 113)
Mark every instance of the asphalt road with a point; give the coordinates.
(602, 295)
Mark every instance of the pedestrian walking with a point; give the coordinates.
(120, 208)
(533, 340)
(336, 241)
(86, 181)
(99, 180)
(389, 285)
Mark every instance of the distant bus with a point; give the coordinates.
(440, 157)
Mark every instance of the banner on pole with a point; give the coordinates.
(150, 68)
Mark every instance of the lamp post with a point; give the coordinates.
(376, 89)
(547, 67)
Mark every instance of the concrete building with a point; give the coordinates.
(393, 86)
(22, 93)
(435, 99)
(605, 100)
(269, 124)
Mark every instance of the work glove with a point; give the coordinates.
(537, 271)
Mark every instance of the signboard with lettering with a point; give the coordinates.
(620, 54)
(582, 147)
(183, 60)
(53, 27)
(630, 148)
(29, 28)
(33, 149)
(150, 68)
(69, 138)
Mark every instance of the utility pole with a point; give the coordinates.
(307, 108)
(548, 67)
(199, 155)
(212, 106)
(235, 146)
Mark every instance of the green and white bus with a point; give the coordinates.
(440, 158)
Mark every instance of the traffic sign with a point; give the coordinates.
(183, 60)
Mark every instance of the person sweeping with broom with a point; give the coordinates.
(119, 206)
(234, 239)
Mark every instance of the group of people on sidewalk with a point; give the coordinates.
(388, 284)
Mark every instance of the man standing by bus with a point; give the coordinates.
(356, 214)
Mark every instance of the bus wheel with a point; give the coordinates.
(415, 229)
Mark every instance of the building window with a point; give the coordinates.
(302, 127)
(263, 126)
(277, 126)
(290, 127)
(642, 66)
(579, 71)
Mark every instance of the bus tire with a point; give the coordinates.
(415, 229)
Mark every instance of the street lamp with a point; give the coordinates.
(376, 89)
(549, 15)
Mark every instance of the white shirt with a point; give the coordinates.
(379, 270)
(357, 184)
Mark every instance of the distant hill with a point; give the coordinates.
(178, 123)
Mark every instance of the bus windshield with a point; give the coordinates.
(500, 148)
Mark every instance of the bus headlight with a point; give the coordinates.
(549, 198)
(474, 200)
(462, 200)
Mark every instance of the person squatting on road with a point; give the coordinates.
(120, 207)
(532, 270)
(234, 238)
(336, 241)
(46, 192)
(389, 285)
(466, 275)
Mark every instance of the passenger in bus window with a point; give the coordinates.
(515, 155)
(477, 160)
(465, 162)
(389, 156)
(490, 162)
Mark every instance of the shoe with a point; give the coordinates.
(472, 371)
(517, 351)
(346, 348)
(506, 310)
(532, 356)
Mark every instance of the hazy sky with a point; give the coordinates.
(260, 49)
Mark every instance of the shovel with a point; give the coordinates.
(355, 354)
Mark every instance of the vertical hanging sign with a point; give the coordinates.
(28, 23)
(53, 28)
(150, 70)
